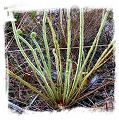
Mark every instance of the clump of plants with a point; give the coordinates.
(67, 89)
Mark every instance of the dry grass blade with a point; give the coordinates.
(93, 91)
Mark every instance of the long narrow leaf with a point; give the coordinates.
(31, 64)
(80, 53)
(45, 41)
(27, 84)
(36, 58)
(97, 65)
(47, 70)
(62, 24)
(56, 45)
(68, 55)
(82, 82)
(88, 68)
(59, 83)
(33, 52)
(43, 59)
(95, 41)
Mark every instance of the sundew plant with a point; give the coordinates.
(63, 92)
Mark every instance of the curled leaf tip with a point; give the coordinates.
(19, 31)
(33, 35)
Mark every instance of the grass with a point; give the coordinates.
(64, 92)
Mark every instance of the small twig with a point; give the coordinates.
(90, 100)
(15, 107)
(32, 101)
(87, 94)
(59, 48)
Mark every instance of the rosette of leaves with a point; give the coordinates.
(64, 92)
